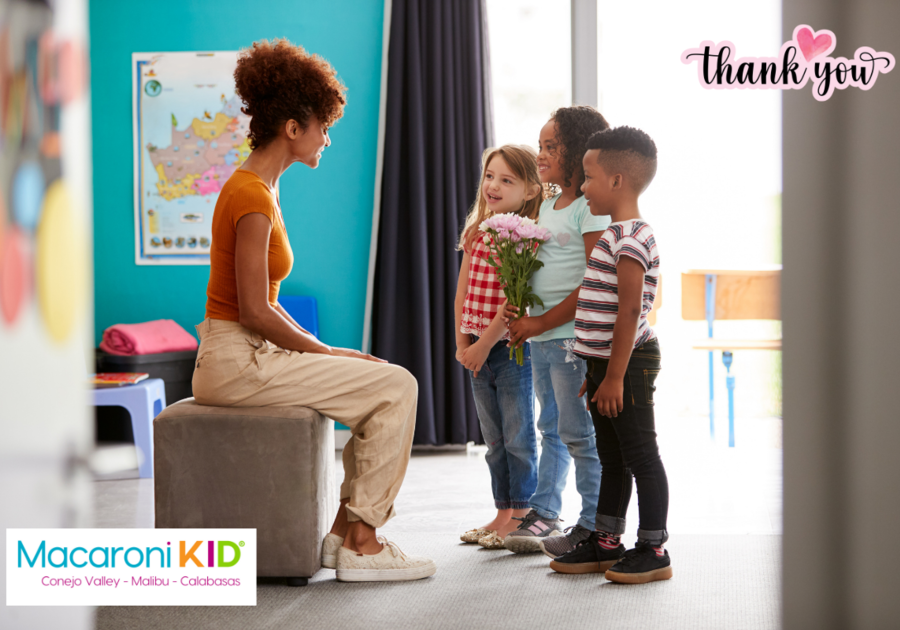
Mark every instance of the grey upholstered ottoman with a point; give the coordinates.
(271, 468)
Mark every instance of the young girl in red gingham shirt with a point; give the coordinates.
(504, 395)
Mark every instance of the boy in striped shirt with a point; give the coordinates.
(623, 361)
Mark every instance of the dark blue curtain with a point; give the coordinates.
(438, 123)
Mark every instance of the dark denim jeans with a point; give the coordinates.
(627, 447)
(504, 398)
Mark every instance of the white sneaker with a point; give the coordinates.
(330, 546)
(390, 565)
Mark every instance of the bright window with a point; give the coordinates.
(716, 201)
(531, 66)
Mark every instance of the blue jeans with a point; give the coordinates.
(567, 432)
(504, 399)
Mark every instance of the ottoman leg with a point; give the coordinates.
(297, 581)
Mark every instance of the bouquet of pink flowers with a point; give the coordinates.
(513, 242)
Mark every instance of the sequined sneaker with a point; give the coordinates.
(330, 545)
(534, 528)
(474, 535)
(555, 546)
(492, 541)
(389, 565)
(641, 565)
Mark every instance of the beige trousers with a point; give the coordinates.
(238, 368)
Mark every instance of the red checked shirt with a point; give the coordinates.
(484, 297)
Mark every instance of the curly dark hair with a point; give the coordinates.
(574, 125)
(279, 81)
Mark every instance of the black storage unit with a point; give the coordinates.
(176, 369)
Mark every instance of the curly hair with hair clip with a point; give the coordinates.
(574, 125)
(279, 81)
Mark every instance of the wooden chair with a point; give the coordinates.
(711, 294)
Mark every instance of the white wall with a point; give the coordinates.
(715, 201)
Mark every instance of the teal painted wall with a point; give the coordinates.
(328, 211)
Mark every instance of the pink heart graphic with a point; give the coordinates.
(563, 238)
(810, 45)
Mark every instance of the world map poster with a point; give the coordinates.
(189, 137)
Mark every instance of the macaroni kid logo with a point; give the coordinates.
(131, 567)
(802, 59)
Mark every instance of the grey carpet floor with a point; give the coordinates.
(721, 582)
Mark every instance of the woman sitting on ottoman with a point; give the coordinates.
(252, 354)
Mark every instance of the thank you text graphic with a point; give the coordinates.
(801, 60)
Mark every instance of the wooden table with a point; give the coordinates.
(711, 294)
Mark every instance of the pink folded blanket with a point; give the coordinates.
(162, 335)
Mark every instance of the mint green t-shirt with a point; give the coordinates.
(563, 258)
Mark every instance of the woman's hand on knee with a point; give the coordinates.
(347, 353)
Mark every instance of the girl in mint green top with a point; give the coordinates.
(574, 231)
(567, 432)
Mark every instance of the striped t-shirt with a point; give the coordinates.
(598, 300)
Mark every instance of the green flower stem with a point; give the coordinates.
(515, 270)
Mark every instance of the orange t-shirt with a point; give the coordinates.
(242, 194)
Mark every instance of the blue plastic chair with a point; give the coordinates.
(143, 401)
(303, 309)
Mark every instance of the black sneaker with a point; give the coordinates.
(641, 565)
(555, 546)
(588, 557)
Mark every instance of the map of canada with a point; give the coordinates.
(202, 154)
